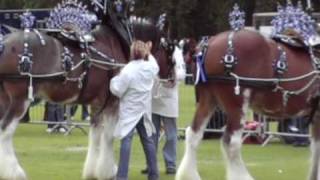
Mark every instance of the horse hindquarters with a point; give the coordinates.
(188, 167)
(13, 107)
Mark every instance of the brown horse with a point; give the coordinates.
(252, 81)
(86, 83)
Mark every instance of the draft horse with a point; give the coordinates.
(252, 81)
(86, 82)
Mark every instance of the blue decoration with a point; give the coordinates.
(201, 75)
(237, 18)
(294, 18)
(119, 6)
(1, 41)
(27, 20)
(67, 62)
(99, 4)
(161, 21)
(25, 63)
(71, 16)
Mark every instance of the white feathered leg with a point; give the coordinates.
(10, 168)
(236, 169)
(232, 142)
(315, 160)
(90, 165)
(188, 167)
(107, 168)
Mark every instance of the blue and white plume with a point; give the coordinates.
(71, 15)
(27, 20)
(161, 21)
(294, 18)
(99, 5)
(236, 18)
(1, 41)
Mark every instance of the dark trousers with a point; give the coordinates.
(54, 113)
(85, 111)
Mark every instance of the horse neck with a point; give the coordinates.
(106, 35)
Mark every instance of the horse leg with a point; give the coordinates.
(9, 165)
(232, 141)
(188, 166)
(90, 165)
(106, 167)
(315, 146)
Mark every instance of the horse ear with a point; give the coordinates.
(162, 23)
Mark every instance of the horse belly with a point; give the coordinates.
(274, 105)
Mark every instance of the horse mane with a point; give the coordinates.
(145, 29)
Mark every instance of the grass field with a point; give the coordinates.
(59, 157)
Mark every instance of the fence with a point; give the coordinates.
(36, 115)
(264, 130)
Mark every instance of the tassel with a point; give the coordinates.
(237, 88)
(30, 91)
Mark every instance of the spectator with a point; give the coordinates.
(85, 116)
(165, 110)
(297, 125)
(133, 86)
(54, 113)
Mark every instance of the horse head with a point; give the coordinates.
(189, 49)
(164, 49)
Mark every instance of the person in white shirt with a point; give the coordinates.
(133, 85)
(165, 111)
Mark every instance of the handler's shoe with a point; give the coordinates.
(62, 130)
(171, 171)
(144, 171)
(49, 130)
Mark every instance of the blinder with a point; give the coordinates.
(25, 63)
(169, 47)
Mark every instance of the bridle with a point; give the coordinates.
(169, 47)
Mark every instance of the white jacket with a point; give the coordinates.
(134, 88)
(165, 100)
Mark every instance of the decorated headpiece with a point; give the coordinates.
(100, 5)
(71, 16)
(1, 40)
(236, 18)
(161, 21)
(294, 18)
(27, 20)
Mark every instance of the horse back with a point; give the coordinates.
(256, 56)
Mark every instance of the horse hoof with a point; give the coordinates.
(108, 175)
(247, 177)
(17, 175)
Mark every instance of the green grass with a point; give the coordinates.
(58, 157)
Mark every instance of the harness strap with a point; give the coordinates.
(315, 107)
(251, 83)
(15, 77)
(84, 83)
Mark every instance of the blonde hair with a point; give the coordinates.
(139, 50)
